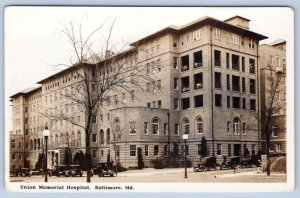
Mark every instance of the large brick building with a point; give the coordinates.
(206, 85)
(273, 57)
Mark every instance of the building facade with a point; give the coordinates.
(273, 56)
(205, 84)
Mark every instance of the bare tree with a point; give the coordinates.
(97, 76)
(273, 102)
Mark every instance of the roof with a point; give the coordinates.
(201, 22)
(26, 91)
(277, 42)
(237, 16)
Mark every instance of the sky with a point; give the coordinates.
(33, 42)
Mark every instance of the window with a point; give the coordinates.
(236, 125)
(218, 100)
(156, 150)
(146, 150)
(153, 104)
(228, 101)
(243, 84)
(198, 59)
(228, 81)
(235, 39)
(274, 131)
(198, 81)
(148, 68)
(93, 87)
(235, 83)
(159, 85)
(217, 57)
(107, 117)
(252, 66)
(185, 103)
(148, 88)
(159, 104)
(244, 103)
(185, 63)
(227, 61)
(185, 83)
(148, 104)
(252, 104)
(198, 101)
(218, 82)
(132, 150)
(199, 149)
(236, 102)
(199, 125)
(219, 149)
(176, 83)
(165, 128)
(13, 144)
(146, 127)
(94, 119)
(155, 126)
(217, 33)
(228, 127)
(186, 126)
(13, 156)
(235, 62)
(176, 104)
(132, 128)
(243, 63)
(175, 62)
(251, 44)
(278, 147)
(176, 130)
(252, 86)
(132, 95)
(244, 128)
(196, 35)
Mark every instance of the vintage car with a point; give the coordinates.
(24, 172)
(252, 161)
(103, 169)
(233, 161)
(59, 171)
(206, 164)
(74, 170)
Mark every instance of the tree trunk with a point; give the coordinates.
(268, 155)
(87, 155)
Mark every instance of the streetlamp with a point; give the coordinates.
(185, 137)
(46, 133)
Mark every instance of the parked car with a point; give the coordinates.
(24, 172)
(103, 169)
(199, 168)
(208, 163)
(253, 161)
(59, 171)
(74, 170)
(233, 161)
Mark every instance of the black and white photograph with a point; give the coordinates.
(149, 99)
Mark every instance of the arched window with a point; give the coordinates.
(78, 139)
(117, 128)
(56, 141)
(34, 144)
(31, 144)
(107, 136)
(73, 139)
(155, 126)
(199, 125)
(62, 139)
(236, 125)
(39, 144)
(186, 126)
(101, 136)
(51, 141)
(67, 139)
(274, 131)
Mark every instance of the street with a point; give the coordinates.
(169, 175)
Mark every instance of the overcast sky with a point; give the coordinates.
(33, 41)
